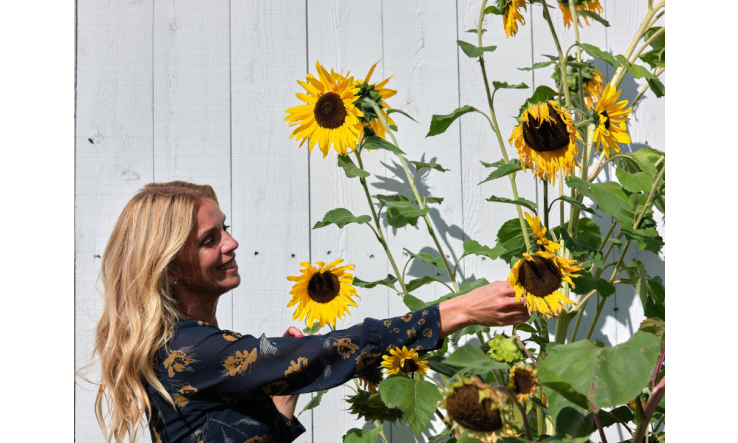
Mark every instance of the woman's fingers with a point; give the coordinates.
(292, 332)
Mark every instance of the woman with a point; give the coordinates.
(168, 260)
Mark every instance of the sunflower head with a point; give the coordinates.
(579, 5)
(537, 278)
(523, 381)
(612, 116)
(504, 349)
(510, 15)
(369, 405)
(329, 116)
(404, 360)
(370, 381)
(378, 93)
(474, 406)
(591, 80)
(539, 231)
(546, 140)
(322, 293)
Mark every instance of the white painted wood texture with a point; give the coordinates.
(197, 91)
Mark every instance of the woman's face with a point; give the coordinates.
(206, 264)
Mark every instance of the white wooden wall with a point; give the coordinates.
(197, 91)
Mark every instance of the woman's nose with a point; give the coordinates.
(230, 244)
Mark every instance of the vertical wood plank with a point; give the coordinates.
(346, 37)
(270, 175)
(113, 158)
(192, 102)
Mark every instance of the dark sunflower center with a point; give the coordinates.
(524, 383)
(607, 119)
(464, 407)
(409, 365)
(329, 111)
(549, 136)
(540, 276)
(323, 287)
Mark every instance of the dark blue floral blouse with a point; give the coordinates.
(221, 382)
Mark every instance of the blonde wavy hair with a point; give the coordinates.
(139, 304)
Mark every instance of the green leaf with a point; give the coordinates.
(520, 201)
(657, 87)
(401, 211)
(612, 199)
(587, 282)
(431, 200)
(440, 123)
(537, 66)
(655, 326)
(609, 376)
(581, 248)
(650, 290)
(413, 303)
(656, 57)
(636, 71)
(313, 330)
(314, 402)
(435, 363)
(575, 202)
(580, 185)
(596, 52)
(472, 357)
(416, 398)
(355, 435)
(476, 31)
(542, 94)
(594, 16)
(501, 171)
(505, 85)
(510, 238)
(415, 284)
(443, 438)
(393, 110)
(622, 412)
(493, 10)
(539, 404)
(473, 247)
(474, 51)
(341, 217)
(375, 142)
(389, 281)
(553, 381)
(421, 165)
(636, 181)
(345, 162)
(427, 259)
(647, 239)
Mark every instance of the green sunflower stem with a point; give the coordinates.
(418, 198)
(562, 327)
(620, 73)
(541, 419)
(575, 18)
(380, 235)
(562, 60)
(583, 171)
(496, 130)
(381, 432)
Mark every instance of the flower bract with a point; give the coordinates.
(474, 406)
(591, 80)
(370, 407)
(579, 5)
(322, 294)
(378, 93)
(404, 360)
(504, 349)
(546, 141)
(538, 277)
(370, 381)
(523, 381)
(539, 231)
(511, 16)
(612, 116)
(329, 116)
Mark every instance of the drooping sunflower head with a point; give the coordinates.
(474, 406)
(329, 116)
(404, 360)
(591, 80)
(370, 407)
(510, 15)
(612, 115)
(523, 381)
(378, 93)
(546, 141)
(538, 277)
(504, 349)
(539, 231)
(579, 5)
(322, 294)
(370, 381)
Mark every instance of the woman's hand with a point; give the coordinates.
(491, 305)
(286, 403)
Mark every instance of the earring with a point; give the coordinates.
(175, 283)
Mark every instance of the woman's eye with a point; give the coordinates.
(208, 241)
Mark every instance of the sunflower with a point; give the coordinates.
(370, 381)
(592, 88)
(329, 116)
(546, 140)
(538, 278)
(612, 114)
(523, 381)
(579, 5)
(370, 407)
(511, 16)
(474, 406)
(322, 293)
(404, 360)
(540, 233)
(591, 80)
(379, 94)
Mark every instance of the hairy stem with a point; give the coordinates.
(562, 60)
(620, 73)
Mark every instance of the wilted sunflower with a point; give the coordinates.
(328, 116)
(370, 381)
(404, 360)
(504, 349)
(322, 293)
(510, 15)
(591, 80)
(474, 406)
(523, 381)
(546, 141)
(540, 233)
(611, 128)
(538, 278)
(579, 5)
(379, 94)
(370, 407)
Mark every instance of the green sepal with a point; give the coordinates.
(341, 217)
